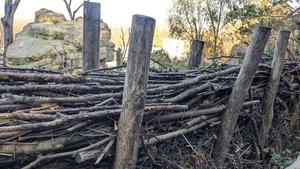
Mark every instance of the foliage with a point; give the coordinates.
(286, 158)
(186, 19)
(159, 34)
(162, 57)
(165, 62)
(58, 36)
(118, 56)
(179, 63)
(218, 13)
(223, 23)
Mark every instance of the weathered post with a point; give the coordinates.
(272, 86)
(91, 35)
(239, 92)
(195, 54)
(134, 96)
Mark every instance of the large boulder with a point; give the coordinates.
(51, 45)
(238, 53)
(47, 16)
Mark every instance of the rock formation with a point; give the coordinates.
(1, 53)
(47, 16)
(52, 42)
(239, 52)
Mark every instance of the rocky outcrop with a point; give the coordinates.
(51, 43)
(239, 52)
(47, 16)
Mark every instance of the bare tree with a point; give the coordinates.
(7, 22)
(68, 6)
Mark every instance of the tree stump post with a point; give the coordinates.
(135, 89)
(272, 86)
(91, 35)
(239, 92)
(195, 54)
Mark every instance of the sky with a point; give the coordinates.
(113, 12)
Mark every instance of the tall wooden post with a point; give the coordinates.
(271, 89)
(91, 35)
(239, 92)
(134, 96)
(195, 54)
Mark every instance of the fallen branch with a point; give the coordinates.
(194, 113)
(179, 132)
(31, 77)
(191, 82)
(9, 98)
(70, 153)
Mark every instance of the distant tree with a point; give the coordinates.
(7, 22)
(186, 19)
(218, 14)
(278, 14)
(122, 51)
(160, 33)
(68, 6)
(190, 19)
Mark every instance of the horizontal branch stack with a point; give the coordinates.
(48, 115)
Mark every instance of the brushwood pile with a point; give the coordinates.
(53, 119)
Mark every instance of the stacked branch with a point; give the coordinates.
(47, 115)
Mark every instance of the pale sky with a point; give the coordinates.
(113, 12)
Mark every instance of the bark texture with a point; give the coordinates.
(239, 93)
(135, 90)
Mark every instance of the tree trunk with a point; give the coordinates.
(239, 93)
(195, 54)
(215, 46)
(7, 22)
(271, 89)
(135, 89)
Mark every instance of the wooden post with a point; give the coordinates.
(239, 92)
(272, 86)
(91, 35)
(195, 54)
(135, 89)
